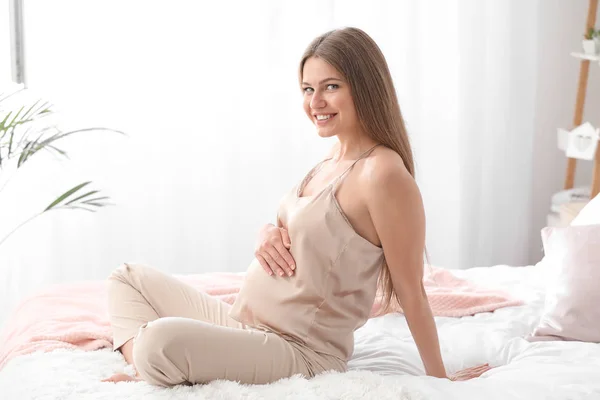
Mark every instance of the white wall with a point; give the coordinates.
(560, 28)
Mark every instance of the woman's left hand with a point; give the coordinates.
(469, 373)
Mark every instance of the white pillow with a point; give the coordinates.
(572, 261)
(590, 214)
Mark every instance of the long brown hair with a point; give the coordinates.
(360, 61)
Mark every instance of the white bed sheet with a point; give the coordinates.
(386, 364)
(522, 369)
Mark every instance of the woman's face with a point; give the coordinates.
(327, 99)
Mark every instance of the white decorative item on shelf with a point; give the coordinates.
(566, 204)
(579, 194)
(590, 46)
(581, 142)
(590, 41)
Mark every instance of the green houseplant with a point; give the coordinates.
(25, 132)
(591, 41)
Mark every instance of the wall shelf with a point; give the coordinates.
(584, 56)
(580, 105)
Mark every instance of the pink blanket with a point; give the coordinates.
(75, 315)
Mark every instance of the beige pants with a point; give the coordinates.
(182, 335)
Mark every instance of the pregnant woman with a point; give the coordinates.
(354, 222)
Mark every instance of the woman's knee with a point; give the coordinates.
(125, 271)
(119, 272)
(118, 284)
(155, 355)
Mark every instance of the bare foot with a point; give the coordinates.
(122, 378)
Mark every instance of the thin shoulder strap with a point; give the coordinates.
(340, 178)
(309, 176)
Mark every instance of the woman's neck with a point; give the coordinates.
(350, 147)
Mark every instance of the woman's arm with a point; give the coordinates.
(396, 208)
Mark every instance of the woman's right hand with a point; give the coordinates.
(272, 251)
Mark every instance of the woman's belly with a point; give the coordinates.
(282, 304)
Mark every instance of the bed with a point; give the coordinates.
(385, 364)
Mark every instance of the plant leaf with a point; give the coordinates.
(3, 124)
(57, 136)
(59, 151)
(24, 137)
(10, 140)
(65, 195)
(97, 198)
(31, 148)
(12, 123)
(91, 203)
(82, 196)
(30, 108)
(24, 154)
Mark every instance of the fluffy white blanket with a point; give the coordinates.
(77, 375)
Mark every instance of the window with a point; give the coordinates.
(4, 46)
(12, 67)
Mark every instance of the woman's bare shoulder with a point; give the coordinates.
(389, 190)
(385, 166)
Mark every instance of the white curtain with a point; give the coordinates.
(207, 94)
